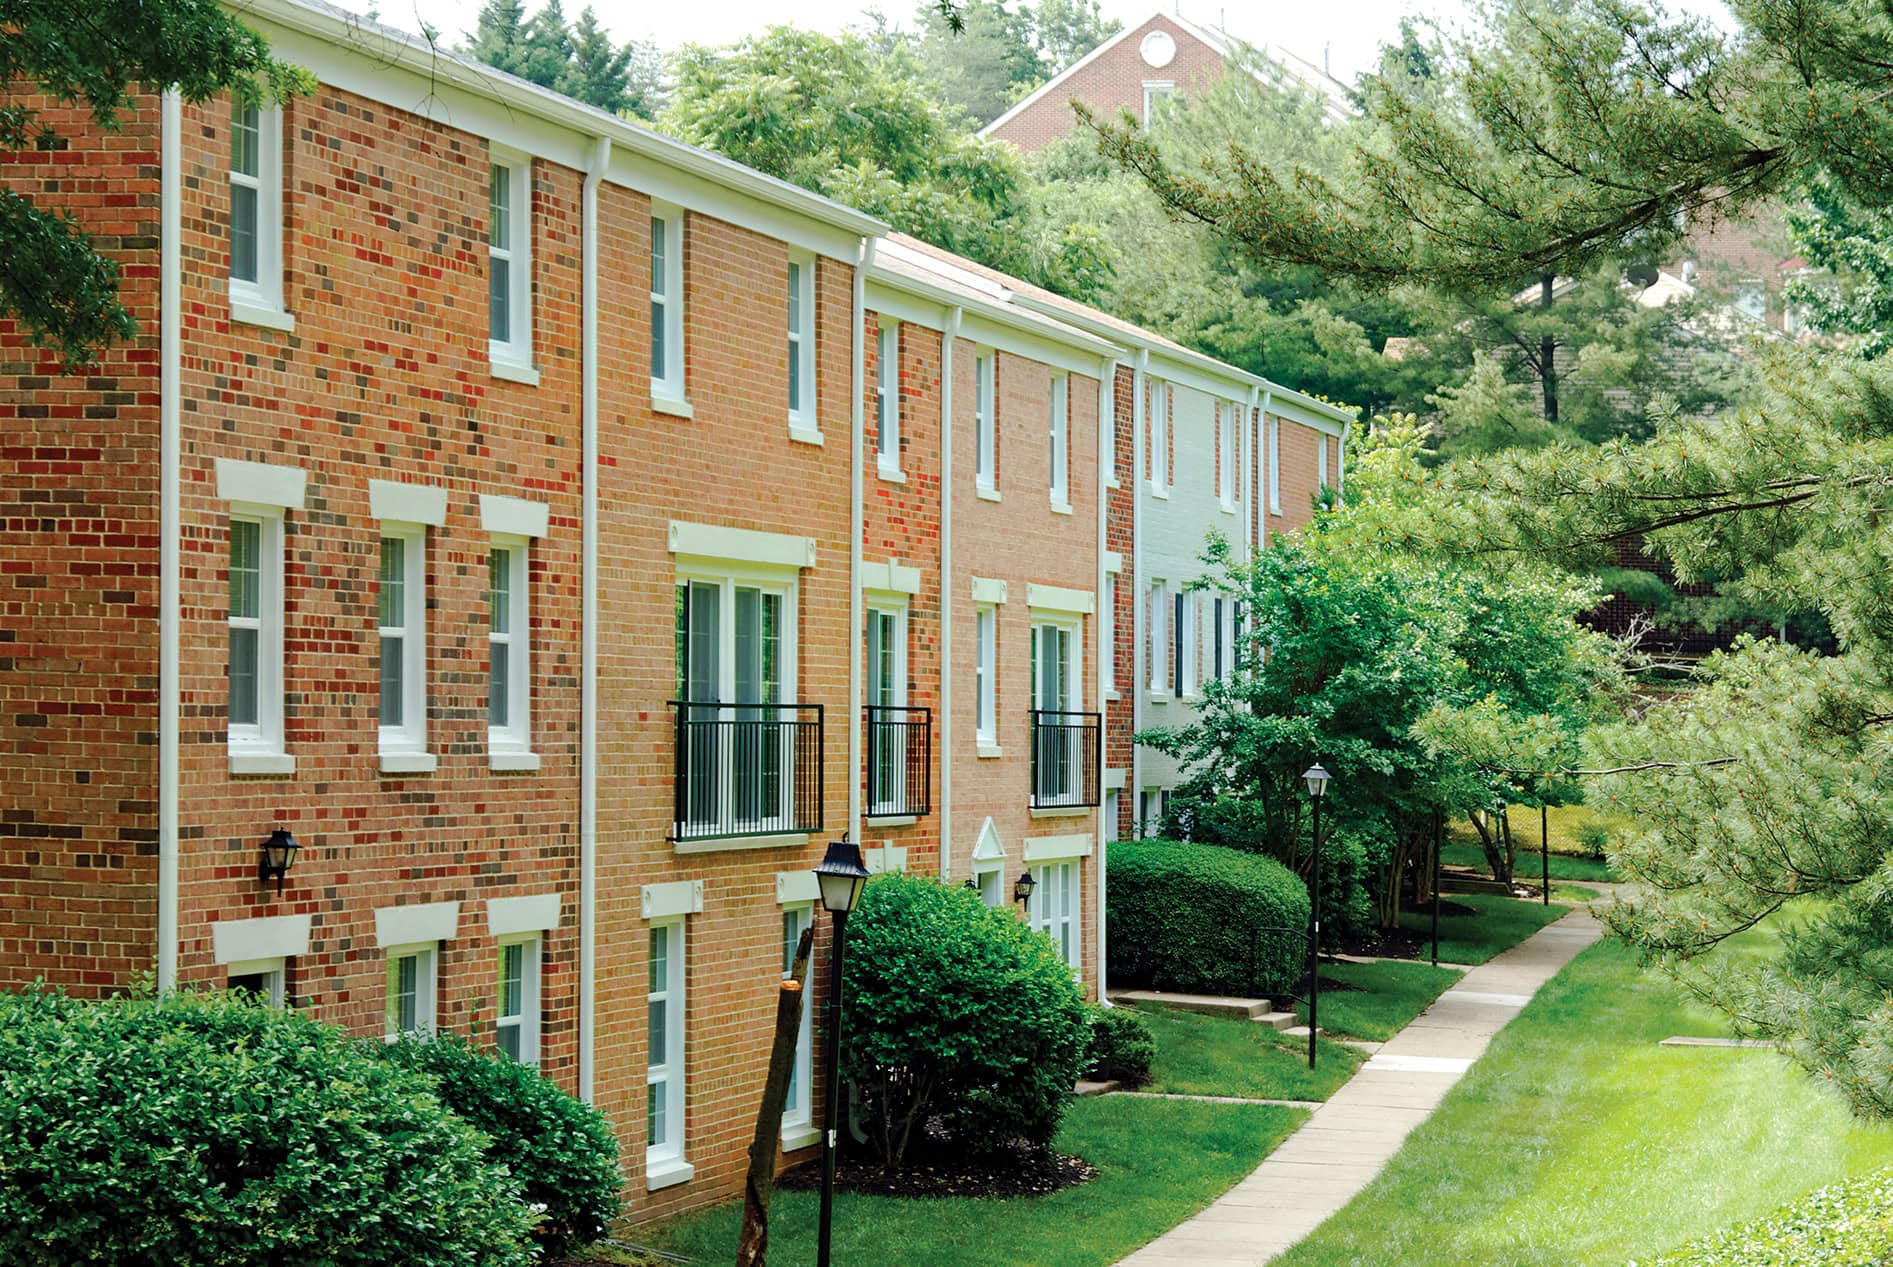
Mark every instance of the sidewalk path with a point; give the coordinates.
(1347, 1141)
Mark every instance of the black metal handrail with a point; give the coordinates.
(898, 777)
(1067, 757)
(743, 769)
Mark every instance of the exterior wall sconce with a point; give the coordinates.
(1022, 889)
(279, 854)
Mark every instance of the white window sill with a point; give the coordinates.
(1060, 508)
(891, 474)
(720, 844)
(249, 313)
(261, 762)
(796, 1138)
(988, 494)
(409, 762)
(676, 406)
(512, 761)
(893, 820)
(1063, 811)
(806, 435)
(1160, 697)
(1113, 695)
(1228, 509)
(511, 369)
(1111, 481)
(1162, 494)
(989, 750)
(1274, 509)
(667, 1174)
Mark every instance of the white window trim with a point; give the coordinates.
(1157, 438)
(887, 400)
(1229, 450)
(1321, 461)
(426, 988)
(1037, 918)
(260, 303)
(509, 747)
(664, 1164)
(1162, 88)
(403, 748)
(531, 1004)
(895, 606)
(989, 859)
(1158, 596)
(985, 675)
(1060, 448)
(273, 970)
(511, 358)
(1274, 427)
(798, 1123)
(671, 388)
(260, 748)
(805, 421)
(1192, 633)
(1073, 625)
(986, 420)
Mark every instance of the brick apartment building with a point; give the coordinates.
(563, 532)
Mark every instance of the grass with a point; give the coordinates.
(1158, 1161)
(1577, 1140)
(1498, 923)
(1386, 995)
(1526, 865)
(1214, 1055)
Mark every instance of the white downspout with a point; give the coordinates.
(1140, 619)
(588, 622)
(170, 521)
(1107, 628)
(856, 526)
(947, 338)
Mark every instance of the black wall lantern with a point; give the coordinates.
(1022, 889)
(279, 854)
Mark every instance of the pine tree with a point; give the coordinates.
(547, 51)
(598, 74)
(499, 36)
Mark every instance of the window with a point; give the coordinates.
(1226, 456)
(1182, 638)
(256, 636)
(1275, 465)
(1058, 756)
(1054, 909)
(985, 422)
(986, 652)
(887, 688)
(1151, 803)
(1321, 461)
(1155, 651)
(664, 1077)
(802, 410)
(509, 262)
(413, 986)
(1221, 637)
(1157, 94)
(403, 642)
(1235, 636)
(256, 214)
(1112, 799)
(992, 886)
(667, 305)
(262, 978)
(1751, 299)
(516, 1030)
(887, 397)
(509, 664)
(1061, 441)
(796, 1108)
(1158, 429)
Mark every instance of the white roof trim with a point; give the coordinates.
(989, 848)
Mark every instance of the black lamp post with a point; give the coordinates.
(1022, 889)
(840, 876)
(1317, 780)
(279, 854)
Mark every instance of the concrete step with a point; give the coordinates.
(1277, 1020)
(1207, 1004)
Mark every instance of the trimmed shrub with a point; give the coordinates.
(961, 1021)
(1352, 855)
(1843, 1225)
(1122, 1047)
(198, 1129)
(1203, 919)
(560, 1148)
(1593, 838)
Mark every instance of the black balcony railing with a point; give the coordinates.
(746, 769)
(1067, 753)
(899, 771)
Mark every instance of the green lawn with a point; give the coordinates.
(1212, 1055)
(1498, 923)
(1386, 996)
(1159, 1161)
(1577, 1140)
(1526, 865)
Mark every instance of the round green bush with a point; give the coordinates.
(958, 1017)
(1122, 1047)
(1203, 919)
(561, 1149)
(199, 1129)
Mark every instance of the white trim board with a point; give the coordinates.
(890, 578)
(1053, 598)
(741, 545)
(419, 922)
(530, 913)
(665, 901)
(796, 887)
(513, 516)
(1057, 848)
(407, 503)
(987, 590)
(261, 484)
(266, 937)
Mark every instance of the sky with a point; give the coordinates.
(1346, 32)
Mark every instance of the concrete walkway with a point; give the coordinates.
(1347, 1141)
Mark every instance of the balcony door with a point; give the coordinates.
(1057, 737)
(733, 650)
(886, 689)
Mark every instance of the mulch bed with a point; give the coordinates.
(1021, 1174)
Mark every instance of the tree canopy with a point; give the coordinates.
(578, 60)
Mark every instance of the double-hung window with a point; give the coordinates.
(1054, 909)
(1058, 757)
(516, 1029)
(986, 421)
(1182, 643)
(509, 267)
(664, 1073)
(403, 634)
(887, 398)
(797, 1120)
(509, 656)
(1061, 442)
(413, 989)
(1158, 438)
(667, 305)
(802, 409)
(887, 689)
(259, 497)
(256, 215)
(985, 670)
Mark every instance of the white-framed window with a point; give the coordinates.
(887, 688)
(802, 409)
(667, 303)
(256, 633)
(1112, 798)
(887, 397)
(1183, 644)
(1151, 803)
(1061, 440)
(1059, 750)
(1055, 906)
(413, 989)
(985, 673)
(986, 420)
(1157, 94)
(1158, 648)
(664, 1073)
(991, 878)
(403, 632)
(261, 978)
(1158, 436)
(1110, 631)
(1228, 457)
(796, 1107)
(1224, 641)
(1321, 461)
(1274, 427)
(1751, 299)
(516, 1025)
(256, 211)
(509, 261)
(509, 646)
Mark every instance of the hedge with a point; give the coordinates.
(1203, 919)
(1122, 1047)
(1845, 1225)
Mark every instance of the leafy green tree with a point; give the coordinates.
(1065, 30)
(984, 64)
(54, 281)
(1854, 244)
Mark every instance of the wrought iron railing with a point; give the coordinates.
(898, 777)
(746, 769)
(1067, 755)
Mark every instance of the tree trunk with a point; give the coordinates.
(1511, 852)
(752, 1245)
(1548, 354)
